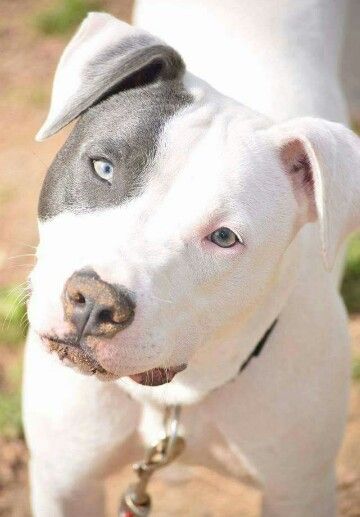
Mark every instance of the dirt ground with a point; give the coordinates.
(27, 61)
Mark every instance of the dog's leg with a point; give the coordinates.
(286, 411)
(76, 429)
(295, 467)
(86, 499)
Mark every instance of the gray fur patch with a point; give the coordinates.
(124, 129)
(128, 63)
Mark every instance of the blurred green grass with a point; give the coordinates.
(13, 322)
(13, 326)
(64, 15)
(10, 414)
(350, 289)
(10, 397)
(356, 369)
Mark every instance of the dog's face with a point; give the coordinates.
(166, 216)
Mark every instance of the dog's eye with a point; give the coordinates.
(224, 237)
(104, 170)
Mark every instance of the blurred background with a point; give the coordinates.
(32, 36)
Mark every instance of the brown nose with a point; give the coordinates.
(95, 307)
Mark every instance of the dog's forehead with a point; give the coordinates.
(207, 163)
(212, 143)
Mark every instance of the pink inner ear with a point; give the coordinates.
(298, 168)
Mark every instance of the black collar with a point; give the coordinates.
(257, 350)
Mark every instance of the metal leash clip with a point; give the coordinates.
(136, 502)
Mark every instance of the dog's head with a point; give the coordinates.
(167, 217)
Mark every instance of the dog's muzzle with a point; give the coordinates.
(97, 309)
(94, 309)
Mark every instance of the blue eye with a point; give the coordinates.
(223, 237)
(104, 170)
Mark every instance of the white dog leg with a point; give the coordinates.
(286, 411)
(82, 499)
(295, 467)
(76, 429)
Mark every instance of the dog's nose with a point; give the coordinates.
(95, 307)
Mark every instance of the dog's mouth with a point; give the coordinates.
(157, 376)
(71, 354)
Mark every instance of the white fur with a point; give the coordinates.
(218, 166)
(277, 57)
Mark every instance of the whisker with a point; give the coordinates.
(10, 314)
(24, 322)
(19, 300)
(13, 266)
(40, 160)
(161, 299)
(26, 245)
(20, 256)
(17, 287)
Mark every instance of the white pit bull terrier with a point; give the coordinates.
(181, 234)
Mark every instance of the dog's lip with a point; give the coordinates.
(55, 339)
(153, 377)
(157, 376)
(77, 356)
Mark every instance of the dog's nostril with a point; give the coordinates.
(78, 298)
(106, 316)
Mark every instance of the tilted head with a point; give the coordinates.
(171, 212)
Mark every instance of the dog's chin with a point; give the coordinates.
(72, 355)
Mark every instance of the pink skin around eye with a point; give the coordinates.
(210, 246)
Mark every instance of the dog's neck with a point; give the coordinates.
(273, 59)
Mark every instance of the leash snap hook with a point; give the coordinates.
(136, 502)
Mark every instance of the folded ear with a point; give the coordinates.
(104, 56)
(322, 161)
